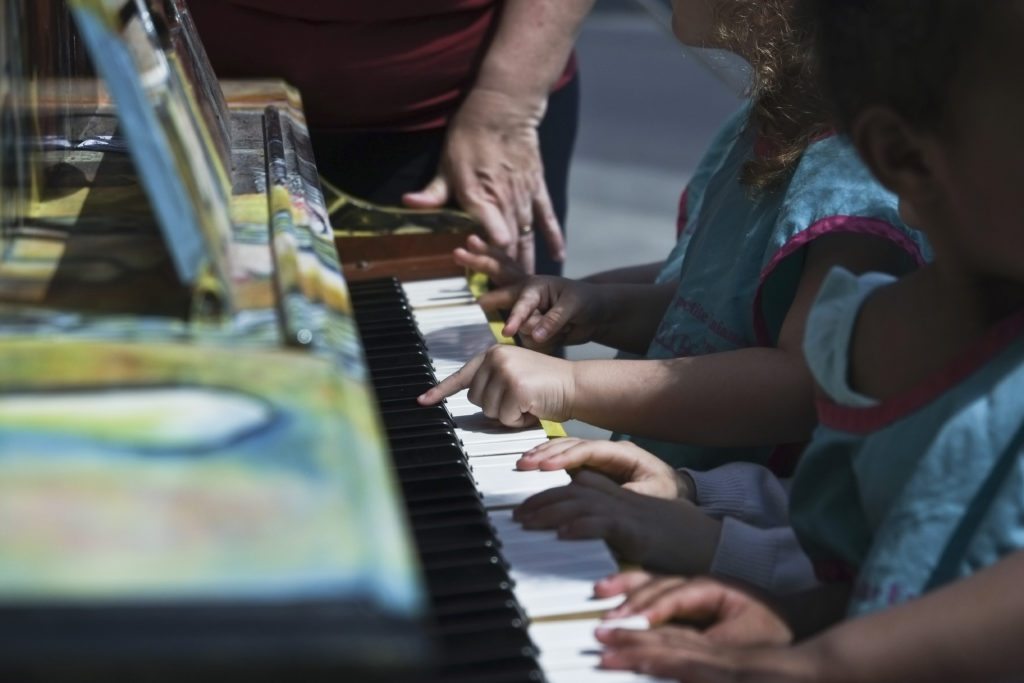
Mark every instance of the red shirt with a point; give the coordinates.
(360, 64)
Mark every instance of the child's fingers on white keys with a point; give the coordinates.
(620, 583)
(535, 457)
(667, 597)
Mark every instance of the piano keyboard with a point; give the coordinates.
(490, 581)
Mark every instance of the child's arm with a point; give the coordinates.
(545, 310)
(967, 631)
(671, 536)
(749, 397)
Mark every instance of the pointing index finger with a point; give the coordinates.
(454, 383)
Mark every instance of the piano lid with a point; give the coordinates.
(174, 150)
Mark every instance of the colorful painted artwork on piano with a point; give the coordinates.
(155, 471)
(163, 437)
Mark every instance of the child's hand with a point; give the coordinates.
(727, 615)
(547, 311)
(672, 536)
(625, 462)
(513, 385)
(492, 261)
(686, 655)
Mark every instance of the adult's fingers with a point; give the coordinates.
(492, 261)
(484, 204)
(433, 196)
(546, 223)
(478, 263)
(526, 256)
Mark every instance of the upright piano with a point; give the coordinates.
(209, 438)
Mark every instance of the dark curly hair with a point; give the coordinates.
(900, 53)
(788, 111)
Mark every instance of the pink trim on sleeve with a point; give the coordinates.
(826, 226)
(870, 419)
(682, 217)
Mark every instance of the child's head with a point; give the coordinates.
(788, 111)
(930, 91)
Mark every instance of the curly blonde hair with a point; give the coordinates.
(788, 110)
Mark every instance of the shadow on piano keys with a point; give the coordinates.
(510, 604)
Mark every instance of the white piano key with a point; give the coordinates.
(472, 437)
(570, 652)
(440, 292)
(486, 450)
(440, 318)
(503, 485)
(560, 597)
(553, 577)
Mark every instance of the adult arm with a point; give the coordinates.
(491, 162)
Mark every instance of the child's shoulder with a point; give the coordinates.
(831, 181)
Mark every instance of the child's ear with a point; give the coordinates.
(901, 158)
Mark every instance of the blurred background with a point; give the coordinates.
(649, 108)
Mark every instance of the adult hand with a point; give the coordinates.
(725, 614)
(623, 461)
(671, 536)
(481, 257)
(513, 385)
(546, 310)
(492, 167)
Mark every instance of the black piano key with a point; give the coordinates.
(515, 670)
(416, 431)
(482, 557)
(382, 372)
(372, 329)
(455, 504)
(383, 308)
(444, 581)
(469, 535)
(441, 438)
(417, 417)
(412, 378)
(434, 473)
(410, 404)
(435, 489)
(424, 457)
(487, 644)
(453, 606)
(506, 617)
(402, 345)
